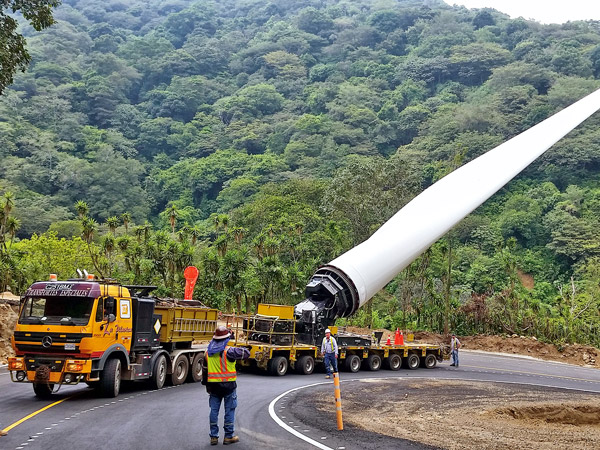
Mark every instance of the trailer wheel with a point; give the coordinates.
(430, 361)
(159, 373)
(43, 390)
(393, 362)
(413, 361)
(180, 370)
(278, 366)
(305, 365)
(352, 363)
(374, 362)
(110, 378)
(195, 373)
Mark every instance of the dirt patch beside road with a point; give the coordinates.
(459, 415)
(8, 319)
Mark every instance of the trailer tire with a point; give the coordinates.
(43, 390)
(305, 365)
(195, 372)
(393, 362)
(374, 362)
(413, 361)
(181, 367)
(352, 363)
(278, 366)
(430, 361)
(159, 373)
(110, 378)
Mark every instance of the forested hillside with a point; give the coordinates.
(258, 140)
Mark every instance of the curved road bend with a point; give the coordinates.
(177, 417)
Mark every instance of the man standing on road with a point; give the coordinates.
(329, 349)
(220, 379)
(454, 346)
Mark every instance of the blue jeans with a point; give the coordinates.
(230, 402)
(455, 357)
(330, 360)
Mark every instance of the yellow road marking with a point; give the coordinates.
(19, 422)
(533, 373)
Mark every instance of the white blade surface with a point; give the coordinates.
(413, 229)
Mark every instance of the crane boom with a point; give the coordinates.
(339, 288)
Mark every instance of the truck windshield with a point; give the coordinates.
(57, 310)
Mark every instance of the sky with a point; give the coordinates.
(545, 11)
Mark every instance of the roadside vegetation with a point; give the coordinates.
(258, 140)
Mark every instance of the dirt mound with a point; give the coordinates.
(8, 319)
(566, 414)
(459, 415)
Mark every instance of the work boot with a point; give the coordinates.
(3, 433)
(451, 365)
(231, 440)
(214, 440)
(327, 376)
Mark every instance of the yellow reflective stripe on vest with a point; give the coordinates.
(220, 368)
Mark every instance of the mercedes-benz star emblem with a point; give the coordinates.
(46, 341)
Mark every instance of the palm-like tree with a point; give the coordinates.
(195, 233)
(82, 208)
(126, 219)
(12, 226)
(112, 223)
(89, 227)
(172, 213)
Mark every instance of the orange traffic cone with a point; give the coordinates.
(401, 338)
(389, 341)
(397, 337)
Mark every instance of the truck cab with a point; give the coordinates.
(66, 331)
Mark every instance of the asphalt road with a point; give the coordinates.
(177, 417)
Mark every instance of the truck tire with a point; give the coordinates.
(278, 366)
(159, 373)
(305, 365)
(374, 362)
(430, 361)
(43, 390)
(195, 372)
(393, 362)
(181, 367)
(352, 363)
(110, 378)
(413, 361)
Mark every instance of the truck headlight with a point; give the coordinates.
(15, 364)
(20, 376)
(74, 367)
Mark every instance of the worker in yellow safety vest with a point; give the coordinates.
(219, 376)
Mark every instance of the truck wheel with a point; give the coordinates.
(43, 390)
(352, 363)
(159, 373)
(374, 362)
(393, 362)
(195, 373)
(413, 361)
(430, 361)
(305, 365)
(278, 366)
(180, 370)
(110, 378)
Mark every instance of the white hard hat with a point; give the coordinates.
(327, 330)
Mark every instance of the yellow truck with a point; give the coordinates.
(279, 340)
(100, 333)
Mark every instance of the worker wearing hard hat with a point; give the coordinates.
(329, 349)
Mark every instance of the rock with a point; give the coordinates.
(534, 338)
(515, 336)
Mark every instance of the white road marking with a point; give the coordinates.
(289, 429)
